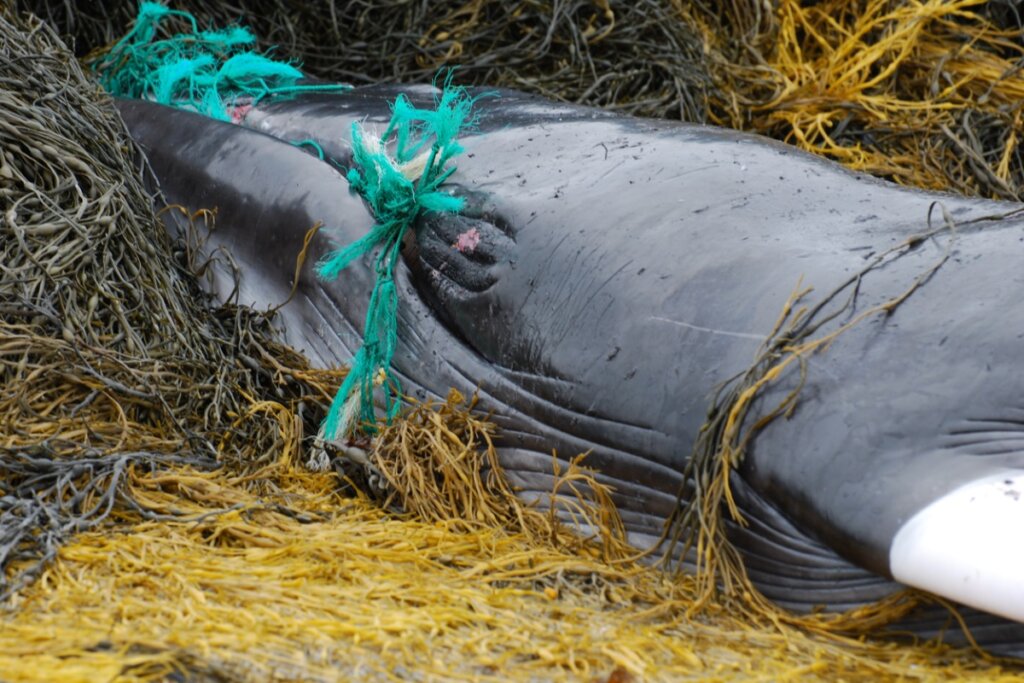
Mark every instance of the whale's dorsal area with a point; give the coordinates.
(609, 274)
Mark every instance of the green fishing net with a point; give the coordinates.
(208, 71)
(398, 186)
(216, 73)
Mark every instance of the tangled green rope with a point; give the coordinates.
(207, 71)
(214, 72)
(398, 187)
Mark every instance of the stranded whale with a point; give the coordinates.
(609, 274)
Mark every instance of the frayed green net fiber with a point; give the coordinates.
(398, 186)
(207, 71)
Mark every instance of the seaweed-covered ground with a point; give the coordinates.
(926, 93)
(155, 520)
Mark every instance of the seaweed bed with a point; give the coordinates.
(155, 520)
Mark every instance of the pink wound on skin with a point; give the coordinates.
(468, 241)
(238, 113)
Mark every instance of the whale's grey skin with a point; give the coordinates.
(626, 269)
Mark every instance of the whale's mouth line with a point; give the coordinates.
(725, 333)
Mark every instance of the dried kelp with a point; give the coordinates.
(924, 93)
(340, 590)
(110, 360)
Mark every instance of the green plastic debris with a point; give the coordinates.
(398, 185)
(206, 71)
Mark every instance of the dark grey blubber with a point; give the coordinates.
(626, 268)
